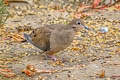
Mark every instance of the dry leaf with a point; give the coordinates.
(16, 37)
(9, 75)
(46, 71)
(6, 2)
(3, 66)
(28, 72)
(117, 7)
(5, 70)
(102, 74)
(30, 67)
(115, 76)
(75, 48)
(95, 3)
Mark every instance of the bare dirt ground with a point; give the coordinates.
(92, 56)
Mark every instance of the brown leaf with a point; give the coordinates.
(28, 72)
(96, 3)
(3, 66)
(6, 2)
(114, 76)
(102, 74)
(45, 71)
(16, 37)
(117, 7)
(30, 67)
(5, 70)
(9, 75)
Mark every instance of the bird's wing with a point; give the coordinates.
(61, 38)
(40, 38)
(54, 26)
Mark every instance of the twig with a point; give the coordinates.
(115, 76)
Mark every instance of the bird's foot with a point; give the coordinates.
(52, 57)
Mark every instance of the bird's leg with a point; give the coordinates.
(50, 55)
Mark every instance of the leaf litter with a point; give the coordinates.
(91, 39)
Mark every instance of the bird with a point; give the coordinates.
(54, 38)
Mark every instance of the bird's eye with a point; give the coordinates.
(78, 22)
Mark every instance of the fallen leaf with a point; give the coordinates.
(83, 7)
(95, 3)
(28, 72)
(46, 71)
(30, 67)
(117, 7)
(75, 48)
(3, 66)
(9, 75)
(16, 37)
(61, 10)
(114, 76)
(6, 2)
(5, 70)
(102, 74)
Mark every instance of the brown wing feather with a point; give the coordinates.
(41, 37)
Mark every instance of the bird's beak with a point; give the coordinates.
(85, 27)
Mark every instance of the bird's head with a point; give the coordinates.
(78, 25)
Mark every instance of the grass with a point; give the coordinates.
(3, 12)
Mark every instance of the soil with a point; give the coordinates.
(88, 58)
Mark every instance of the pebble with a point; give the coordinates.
(104, 29)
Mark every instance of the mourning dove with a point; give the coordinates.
(55, 37)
